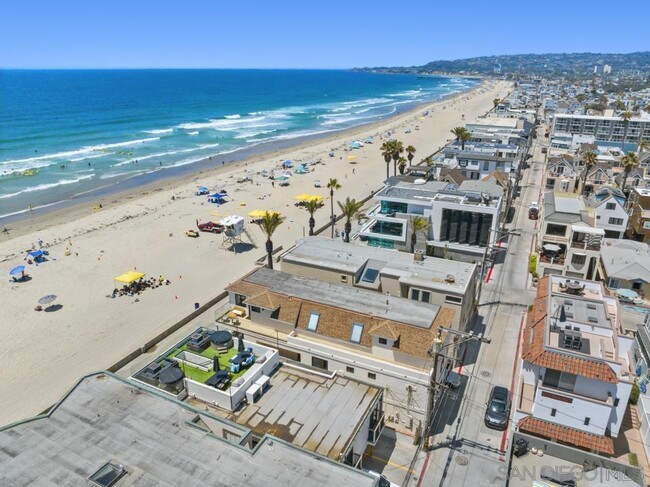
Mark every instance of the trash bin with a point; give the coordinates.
(196, 306)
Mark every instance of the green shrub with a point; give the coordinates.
(532, 265)
(634, 395)
(634, 461)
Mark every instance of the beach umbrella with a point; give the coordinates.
(202, 188)
(552, 247)
(50, 298)
(351, 158)
(16, 270)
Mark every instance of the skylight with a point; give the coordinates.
(108, 475)
(370, 275)
(357, 329)
(313, 321)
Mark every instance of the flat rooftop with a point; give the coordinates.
(335, 255)
(359, 300)
(311, 411)
(408, 190)
(158, 440)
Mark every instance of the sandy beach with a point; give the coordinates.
(44, 353)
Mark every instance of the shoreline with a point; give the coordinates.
(75, 207)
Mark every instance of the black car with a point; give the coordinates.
(498, 408)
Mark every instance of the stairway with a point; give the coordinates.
(250, 237)
(631, 419)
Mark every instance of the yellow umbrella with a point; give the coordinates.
(308, 197)
(351, 158)
(261, 213)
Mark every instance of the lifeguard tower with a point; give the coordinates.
(234, 230)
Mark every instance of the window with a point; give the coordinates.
(453, 299)
(559, 380)
(108, 475)
(610, 206)
(372, 375)
(616, 221)
(553, 412)
(344, 278)
(383, 341)
(587, 421)
(558, 230)
(355, 336)
(239, 299)
(578, 259)
(486, 165)
(426, 297)
(255, 309)
(319, 363)
(349, 369)
(415, 294)
(313, 321)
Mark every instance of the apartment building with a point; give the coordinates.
(576, 374)
(417, 277)
(331, 327)
(606, 128)
(569, 244)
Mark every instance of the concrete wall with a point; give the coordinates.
(321, 274)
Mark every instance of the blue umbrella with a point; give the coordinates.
(202, 188)
(16, 270)
(36, 253)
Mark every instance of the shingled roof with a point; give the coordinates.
(534, 349)
(556, 432)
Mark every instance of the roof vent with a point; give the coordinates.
(450, 278)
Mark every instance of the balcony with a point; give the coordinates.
(393, 229)
(569, 397)
(585, 245)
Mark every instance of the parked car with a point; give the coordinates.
(544, 150)
(497, 412)
(533, 211)
(383, 481)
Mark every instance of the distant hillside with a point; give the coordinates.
(572, 65)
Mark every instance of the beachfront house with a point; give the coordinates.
(464, 220)
(568, 243)
(109, 431)
(478, 159)
(332, 327)
(576, 373)
(417, 277)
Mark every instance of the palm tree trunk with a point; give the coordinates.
(269, 251)
(414, 239)
(312, 224)
(394, 167)
(348, 229)
(332, 213)
(624, 183)
(388, 170)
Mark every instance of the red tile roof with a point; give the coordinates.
(535, 352)
(564, 434)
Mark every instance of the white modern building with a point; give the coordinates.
(605, 128)
(464, 221)
(576, 374)
(479, 159)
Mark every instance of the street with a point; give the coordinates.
(464, 450)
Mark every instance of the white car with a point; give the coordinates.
(383, 481)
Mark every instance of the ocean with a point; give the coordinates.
(72, 134)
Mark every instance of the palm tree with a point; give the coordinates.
(643, 146)
(269, 224)
(332, 185)
(387, 154)
(496, 102)
(589, 159)
(465, 136)
(398, 149)
(312, 206)
(351, 208)
(419, 224)
(629, 162)
(457, 131)
(410, 151)
(626, 116)
(401, 162)
(428, 160)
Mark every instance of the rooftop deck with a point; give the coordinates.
(312, 411)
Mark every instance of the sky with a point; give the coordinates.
(305, 33)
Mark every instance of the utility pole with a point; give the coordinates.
(435, 382)
(491, 248)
